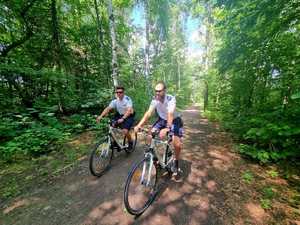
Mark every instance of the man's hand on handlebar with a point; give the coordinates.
(120, 121)
(98, 119)
(137, 128)
(163, 133)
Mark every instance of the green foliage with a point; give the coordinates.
(247, 177)
(11, 189)
(268, 141)
(211, 115)
(265, 203)
(261, 155)
(51, 75)
(254, 83)
(33, 141)
(295, 96)
(80, 122)
(273, 173)
(267, 195)
(8, 128)
(26, 136)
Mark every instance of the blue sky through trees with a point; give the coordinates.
(192, 35)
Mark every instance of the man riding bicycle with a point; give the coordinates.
(168, 121)
(124, 117)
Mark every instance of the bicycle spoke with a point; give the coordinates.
(140, 187)
(100, 158)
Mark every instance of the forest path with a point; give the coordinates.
(210, 191)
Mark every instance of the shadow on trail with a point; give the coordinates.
(165, 180)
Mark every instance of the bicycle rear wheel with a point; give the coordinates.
(140, 187)
(100, 157)
(134, 140)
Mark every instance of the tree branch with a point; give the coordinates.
(5, 49)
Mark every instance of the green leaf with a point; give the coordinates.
(296, 96)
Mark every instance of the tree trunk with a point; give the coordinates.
(178, 73)
(55, 34)
(208, 24)
(206, 60)
(99, 25)
(205, 96)
(114, 61)
(147, 47)
(57, 52)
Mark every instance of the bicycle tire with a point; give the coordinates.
(125, 141)
(150, 196)
(98, 162)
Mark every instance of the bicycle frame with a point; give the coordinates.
(152, 155)
(111, 134)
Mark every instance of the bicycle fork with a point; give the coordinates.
(105, 151)
(147, 168)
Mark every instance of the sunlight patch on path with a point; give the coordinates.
(20, 203)
(256, 212)
(191, 110)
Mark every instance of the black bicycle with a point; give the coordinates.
(140, 188)
(103, 152)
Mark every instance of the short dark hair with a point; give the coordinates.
(119, 87)
(163, 83)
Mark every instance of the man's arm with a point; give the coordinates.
(145, 117)
(171, 110)
(170, 119)
(129, 109)
(128, 112)
(104, 113)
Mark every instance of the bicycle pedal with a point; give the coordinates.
(124, 147)
(178, 172)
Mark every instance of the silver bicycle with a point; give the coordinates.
(103, 152)
(140, 188)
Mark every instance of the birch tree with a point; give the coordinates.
(114, 60)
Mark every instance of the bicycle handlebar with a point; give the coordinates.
(153, 134)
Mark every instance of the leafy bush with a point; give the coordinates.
(248, 177)
(79, 122)
(33, 141)
(266, 137)
(8, 128)
(212, 116)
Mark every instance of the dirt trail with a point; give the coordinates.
(210, 190)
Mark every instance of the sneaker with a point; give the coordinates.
(115, 146)
(130, 145)
(175, 168)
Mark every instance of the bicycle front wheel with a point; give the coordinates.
(100, 158)
(140, 187)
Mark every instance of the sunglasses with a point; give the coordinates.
(119, 92)
(158, 91)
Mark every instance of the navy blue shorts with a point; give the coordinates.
(176, 129)
(127, 124)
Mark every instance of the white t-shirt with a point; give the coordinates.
(168, 106)
(121, 105)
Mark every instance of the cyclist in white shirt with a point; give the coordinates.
(168, 121)
(124, 117)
